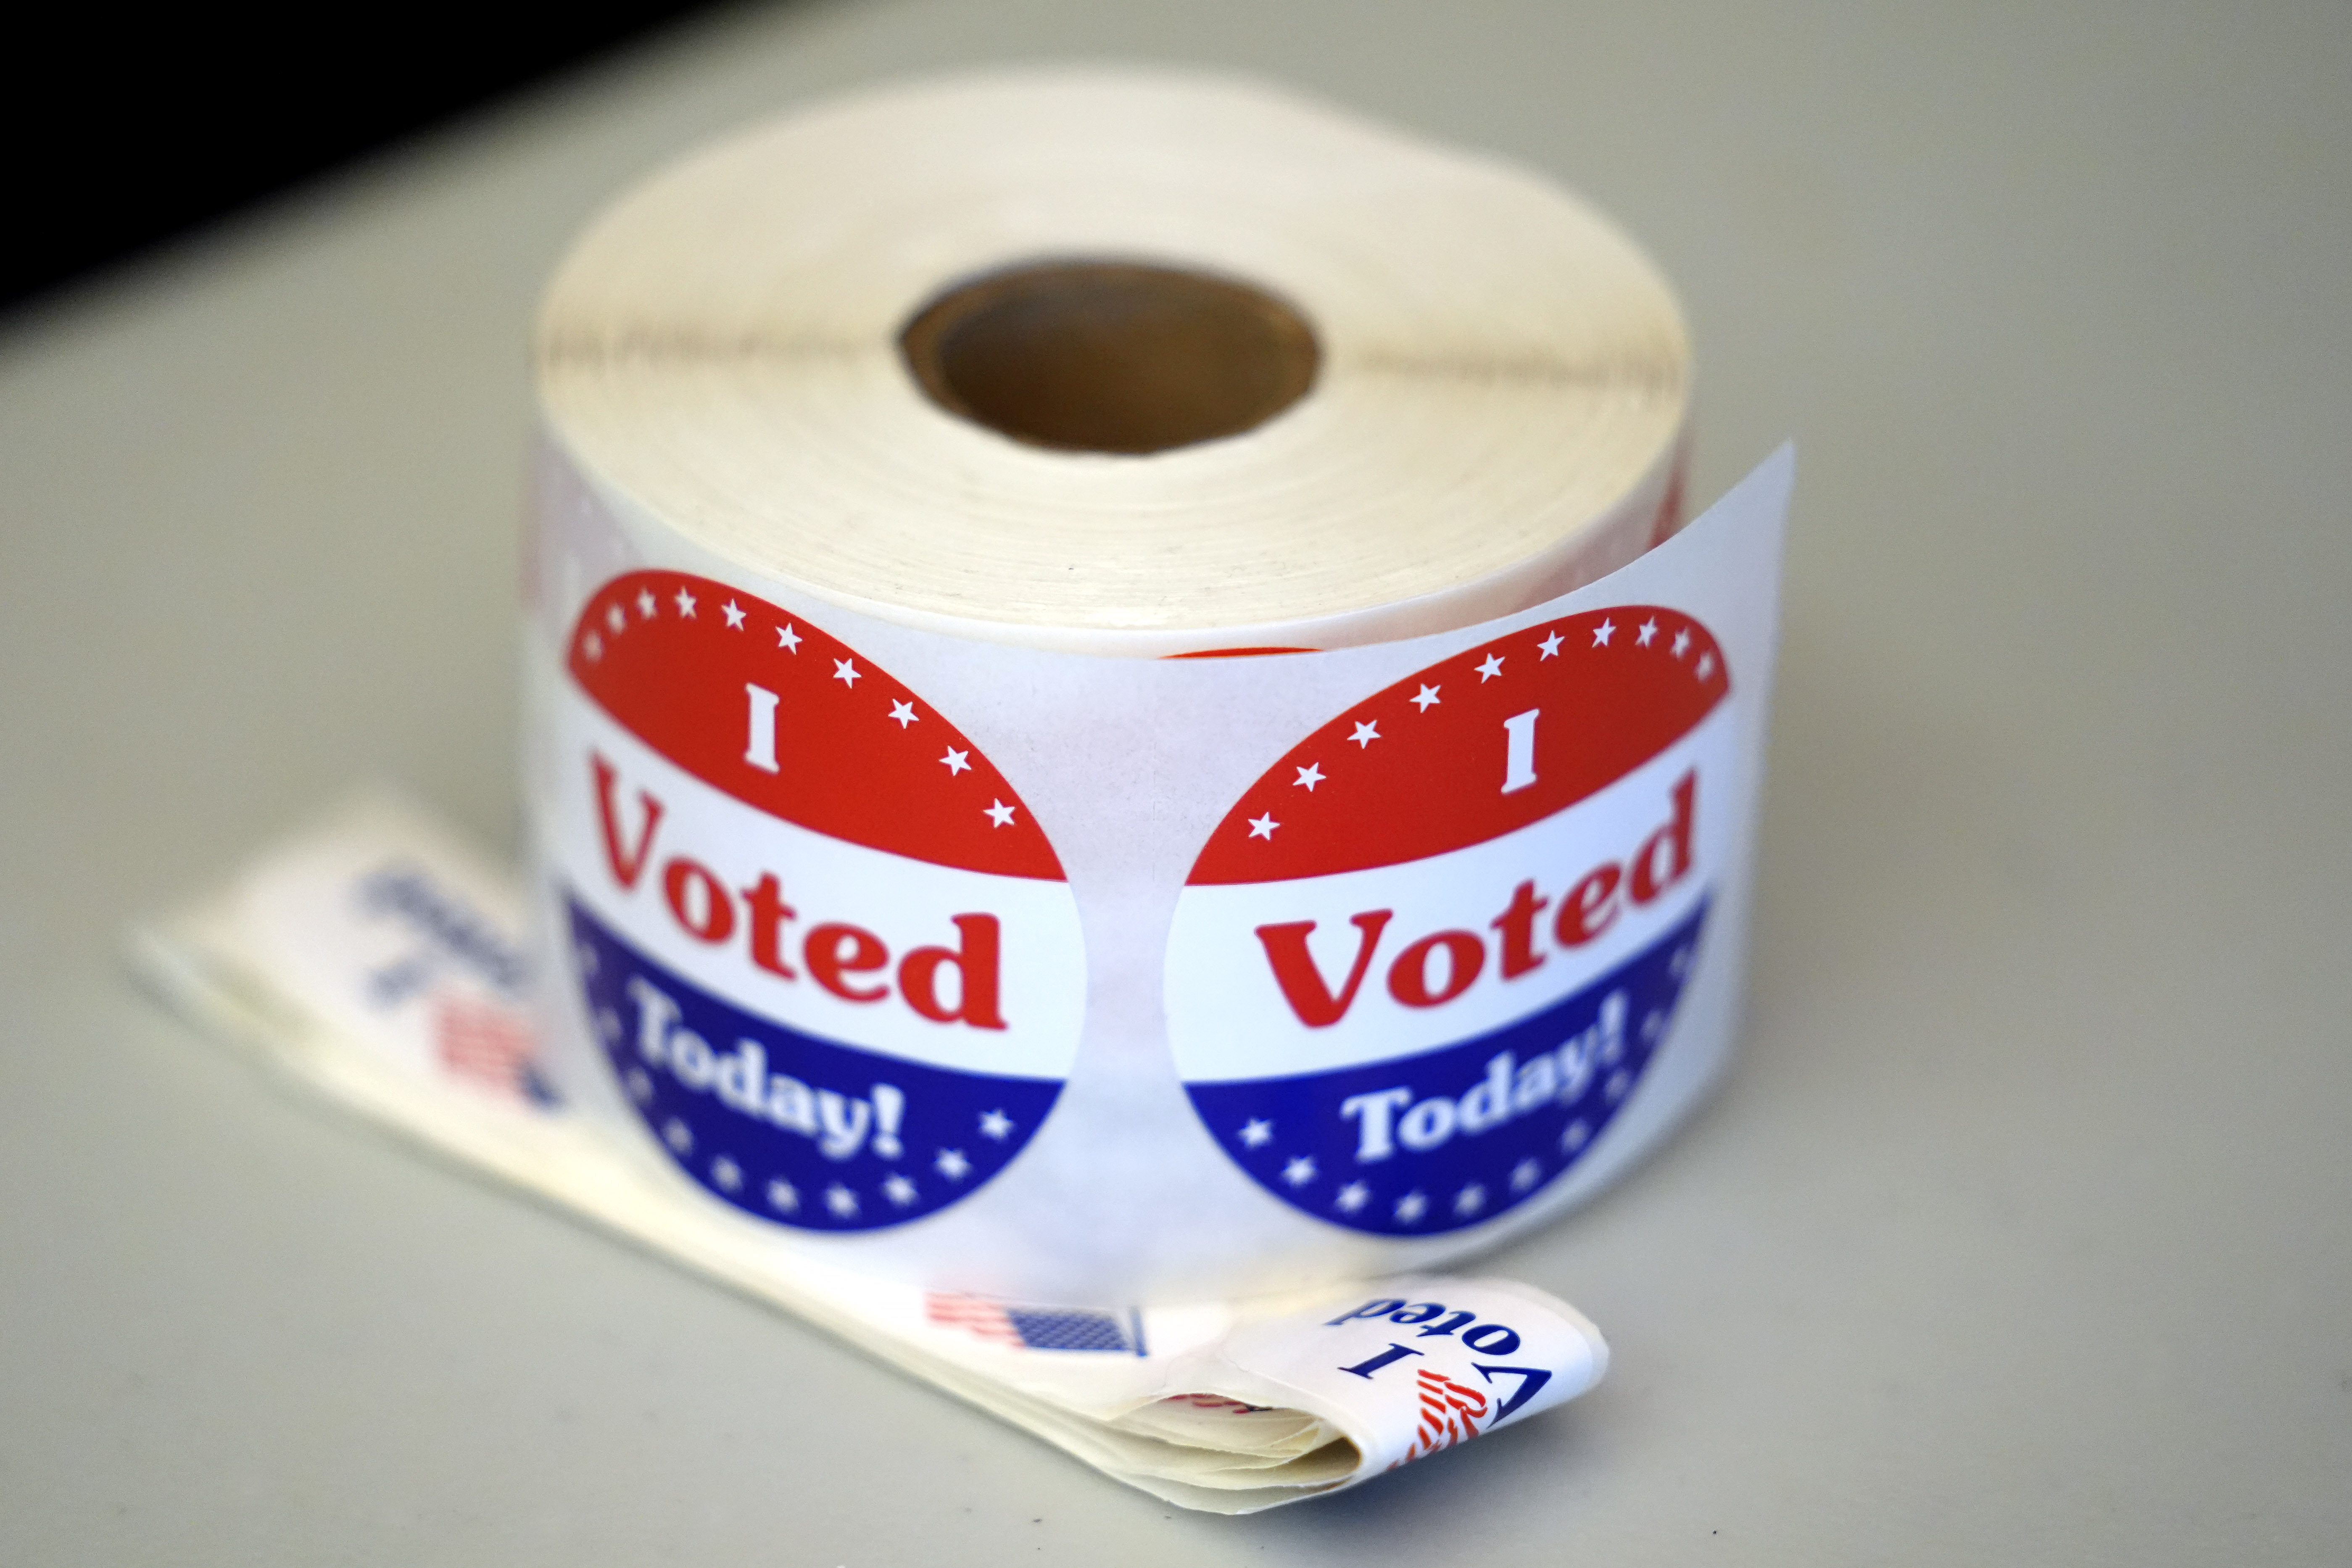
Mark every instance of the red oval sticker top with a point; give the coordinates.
(1474, 746)
(768, 708)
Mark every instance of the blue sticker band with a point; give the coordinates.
(792, 1128)
(1424, 1145)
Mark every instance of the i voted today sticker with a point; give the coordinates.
(1427, 958)
(831, 960)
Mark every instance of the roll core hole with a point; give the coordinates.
(1105, 356)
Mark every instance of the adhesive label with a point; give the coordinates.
(832, 960)
(1425, 959)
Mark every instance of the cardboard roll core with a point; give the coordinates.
(1117, 357)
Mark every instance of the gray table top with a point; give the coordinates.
(2023, 1228)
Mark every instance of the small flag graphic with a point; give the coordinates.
(1038, 1327)
(490, 1047)
(1449, 1414)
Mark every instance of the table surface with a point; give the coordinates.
(2022, 1229)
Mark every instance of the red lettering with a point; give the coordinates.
(1302, 983)
(975, 960)
(769, 913)
(1409, 976)
(1591, 907)
(627, 868)
(715, 921)
(1442, 966)
(834, 951)
(1673, 840)
(1518, 925)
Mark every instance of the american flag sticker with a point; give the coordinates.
(1039, 1328)
(1428, 957)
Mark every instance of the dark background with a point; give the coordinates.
(125, 126)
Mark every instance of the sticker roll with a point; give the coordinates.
(913, 889)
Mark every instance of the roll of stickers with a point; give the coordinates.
(921, 909)
(1125, 753)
